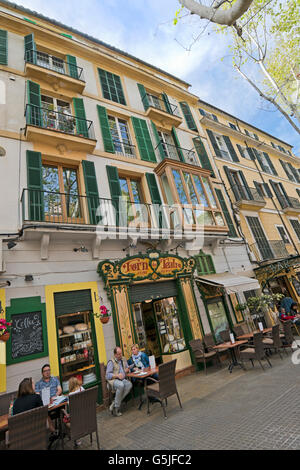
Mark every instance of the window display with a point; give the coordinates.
(168, 325)
(76, 350)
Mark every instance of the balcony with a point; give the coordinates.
(289, 205)
(124, 148)
(55, 128)
(269, 250)
(165, 113)
(172, 152)
(60, 74)
(246, 198)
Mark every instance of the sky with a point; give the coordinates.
(144, 28)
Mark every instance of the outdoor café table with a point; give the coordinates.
(232, 348)
(146, 373)
(250, 335)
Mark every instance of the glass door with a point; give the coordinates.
(218, 318)
(168, 325)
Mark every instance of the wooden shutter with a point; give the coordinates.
(72, 65)
(202, 154)
(30, 49)
(115, 189)
(188, 116)
(81, 123)
(155, 197)
(258, 189)
(232, 184)
(214, 143)
(232, 231)
(33, 111)
(240, 150)
(3, 47)
(270, 164)
(295, 173)
(111, 86)
(177, 145)
(91, 189)
(245, 184)
(72, 302)
(158, 141)
(268, 190)
(167, 103)
(258, 157)
(144, 96)
(143, 139)
(105, 130)
(260, 238)
(35, 186)
(282, 197)
(230, 147)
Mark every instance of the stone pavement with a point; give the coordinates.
(248, 410)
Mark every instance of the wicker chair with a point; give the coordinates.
(164, 387)
(200, 355)
(255, 351)
(287, 337)
(83, 415)
(274, 342)
(28, 430)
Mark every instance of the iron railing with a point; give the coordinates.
(47, 61)
(245, 193)
(288, 202)
(271, 249)
(173, 152)
(123, 147)
(158, 103)
(58, 121)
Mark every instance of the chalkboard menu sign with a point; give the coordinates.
(26, 335)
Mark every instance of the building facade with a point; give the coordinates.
(109, 196)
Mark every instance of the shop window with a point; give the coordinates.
(169, 327)
(204, 264)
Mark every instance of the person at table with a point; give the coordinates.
(26, 399)
(74, 387)
(287, 303)
(47, 381)
(292, 315)
(138, 360)
(116, 371)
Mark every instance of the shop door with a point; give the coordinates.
(218, 318)
(146, 329)
(169, 328)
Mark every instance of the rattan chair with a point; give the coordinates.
(287, 337)
(201, 356)
(164, 387)
(274, 342)
(28, 430)
(255, 351)
(83, 415)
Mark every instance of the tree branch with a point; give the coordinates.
(226, 17)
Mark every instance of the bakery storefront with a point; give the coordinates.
(154, 304)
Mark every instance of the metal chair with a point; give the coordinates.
(164, 387)
(255, 351)
(28, 430)
(83, 415)
(200, 355)
(209, 343)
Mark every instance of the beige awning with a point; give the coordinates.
(231, 282)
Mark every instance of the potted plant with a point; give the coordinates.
(104, 314)
(260, 305)
(4, 330)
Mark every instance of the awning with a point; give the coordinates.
(231, 282)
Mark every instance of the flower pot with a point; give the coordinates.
(5, 337)
(104, 320)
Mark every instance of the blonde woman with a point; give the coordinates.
(74, 387)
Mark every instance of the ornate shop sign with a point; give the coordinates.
(151, 266)
(265, 273)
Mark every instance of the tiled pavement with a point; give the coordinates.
(244, 410)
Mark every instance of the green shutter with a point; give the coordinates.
(232, 231)
(295, 172)
(230, 149)
(115, 189)
(144, 96)
(155, 198)
(105, 130)
(33, 111)
(177, 145)
(158, 141)
(91, 190)
(111, 86)
(204, 264)
(268, 190)
(245, 184)
(167, 103)
(258, 157)
(35, 186)
(30, 49)
(202, 154)
(143, 138)
(214, 143)
(240, 150)
(3, 47)
(188, 116)
(270, 164)
(72, 65)
(232, 184)
(81, 123)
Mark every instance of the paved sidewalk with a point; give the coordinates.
(249, 409)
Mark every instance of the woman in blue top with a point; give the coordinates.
(139, 359)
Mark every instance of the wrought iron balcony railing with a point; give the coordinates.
(58, 121)
(158, 103)
(123, 147)
(289, 202)
(268, 250)
(173, 152)
(244, 193)
(55, 64)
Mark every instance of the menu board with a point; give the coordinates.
(26, 335)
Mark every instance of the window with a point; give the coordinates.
(290, 172)
(168, 146)
(233, 126)
(131, 193)
(260, 187)
(245, 152)
(111, 86)
(260, 238)
(251, 134)
(50, 62)
(283, 234)
(120, 136)
(222, 147)
(209, 115)
(56, 114)
(296, 226)
(265, 162)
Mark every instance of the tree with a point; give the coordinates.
(216, 14)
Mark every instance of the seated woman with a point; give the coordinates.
(74, 387)
(138, 359)
(26, 399)
(293, 314)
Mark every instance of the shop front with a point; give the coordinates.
(154, 305)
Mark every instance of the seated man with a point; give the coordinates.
(53, 384)
(116, 371)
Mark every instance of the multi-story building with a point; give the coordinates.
(262, 178)
(109, 195)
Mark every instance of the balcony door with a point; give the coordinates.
(57, 115)
(168, 146)
(133, 213)
(260, 238)
(121, 137)
(61, 194)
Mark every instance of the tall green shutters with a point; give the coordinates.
(105, 130)
(167, 103)
(231, 150)
(214, 143)
(81, 123)
(111, 86)
(177, 145)
(204, 264)
(115, 189)
(202, 154)
(3, 47)
(232, 231)
(143, 138)
(188, 116)
(35, 186)
(158, 141)
(33, 111)
(155, 198)
(91, 189)
(144, 96)
(30, 49)
(72, 65)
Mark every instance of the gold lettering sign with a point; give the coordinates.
(169, 266)
(136, 268)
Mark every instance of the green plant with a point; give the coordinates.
(261, 303)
